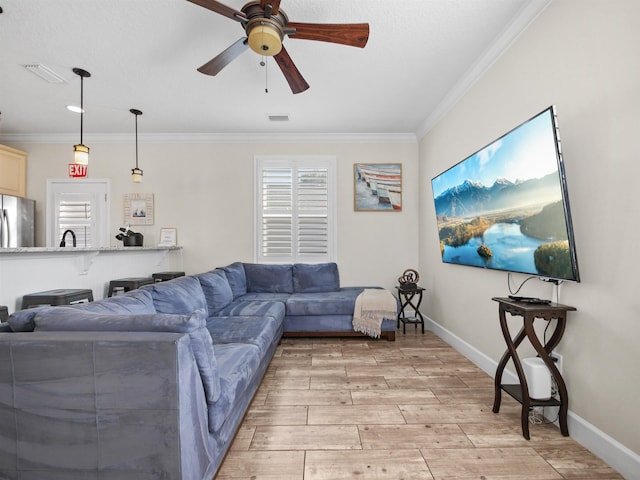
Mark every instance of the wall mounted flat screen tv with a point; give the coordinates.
(506, 206)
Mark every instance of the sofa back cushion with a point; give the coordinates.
(267, 278)
(216, 289)
(22, 320)
(135, 301)
(179, 296)
(70, 319)
(237, 279)
(314, 278)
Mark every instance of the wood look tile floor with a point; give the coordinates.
(354, 408)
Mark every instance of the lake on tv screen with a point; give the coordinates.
(511, 250)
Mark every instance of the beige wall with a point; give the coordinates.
(205, 190)
(581, 57)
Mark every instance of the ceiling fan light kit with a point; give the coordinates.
(266, 25)
(265, 40)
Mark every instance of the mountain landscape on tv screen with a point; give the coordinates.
(518, 226)
(472, 198)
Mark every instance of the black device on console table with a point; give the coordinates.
(531, 300)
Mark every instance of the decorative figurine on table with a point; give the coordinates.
(409, 279)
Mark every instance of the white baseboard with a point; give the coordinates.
(616, 455)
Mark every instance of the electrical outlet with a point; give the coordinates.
(557, 359)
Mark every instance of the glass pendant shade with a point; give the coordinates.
(136, 175)
(81, 154)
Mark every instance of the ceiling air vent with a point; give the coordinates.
(45, 73)
(278, 117)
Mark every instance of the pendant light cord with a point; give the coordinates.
(136, 141)
(81, 105)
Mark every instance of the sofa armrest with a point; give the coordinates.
(131, 403)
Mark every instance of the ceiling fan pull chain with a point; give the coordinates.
(266, 75)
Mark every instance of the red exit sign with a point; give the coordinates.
(77, 170)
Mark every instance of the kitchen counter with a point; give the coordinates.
(33, 269)
(6, 251)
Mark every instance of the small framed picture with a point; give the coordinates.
(377, 187)
(138, 208)
(168, 237)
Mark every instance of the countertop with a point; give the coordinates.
(23, 250)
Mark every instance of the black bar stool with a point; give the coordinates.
(164, 276)
(61, 296)
(127, 284)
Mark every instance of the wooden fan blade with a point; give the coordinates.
(291, 73)
(213, 66)
(352, 34)
(274, 7)
(220, 8)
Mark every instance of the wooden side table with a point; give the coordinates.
(529, 312)
(407, 296)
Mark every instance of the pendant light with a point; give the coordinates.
(81, 151)
(136, 173)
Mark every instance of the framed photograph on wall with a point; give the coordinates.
(138, 208)
(168, 237)
(377, 187)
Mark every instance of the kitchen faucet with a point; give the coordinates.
(73, 236)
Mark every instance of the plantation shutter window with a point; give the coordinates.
(75, 213)
(295, 209)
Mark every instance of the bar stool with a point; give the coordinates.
(127, 284)
(164, 276)
(61, 296)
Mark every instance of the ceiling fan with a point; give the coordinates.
(266, 25)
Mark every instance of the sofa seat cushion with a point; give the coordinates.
(68, 319)
(180, 296)
(259, 331)
(239, 364)
(269, 278)
(280, 297)
(253, 308)
(341, 302)
(216, 289)
(314, 278)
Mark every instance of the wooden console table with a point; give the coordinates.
(529, 312)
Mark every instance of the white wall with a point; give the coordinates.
(580, 56)
(205, 190)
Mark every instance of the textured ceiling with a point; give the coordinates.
(144, 54)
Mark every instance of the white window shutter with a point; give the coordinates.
(295, 214)
(277, 208)
(75, 213)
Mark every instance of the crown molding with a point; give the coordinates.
(53, 138)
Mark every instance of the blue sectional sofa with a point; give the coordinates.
(153, 384)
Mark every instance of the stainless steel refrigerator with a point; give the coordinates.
(17, 219)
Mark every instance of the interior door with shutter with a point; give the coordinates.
(81, 206)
